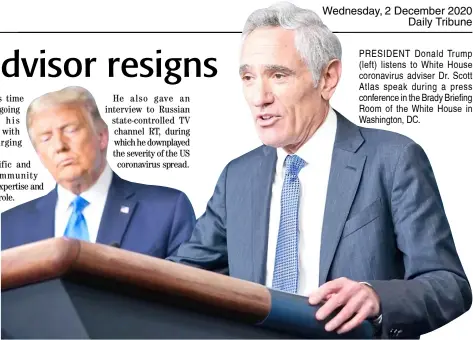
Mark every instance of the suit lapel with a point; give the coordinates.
(43, 222)
(261, 184)
(345, 174)
(117, 213)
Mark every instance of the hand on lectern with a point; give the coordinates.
(357, 302)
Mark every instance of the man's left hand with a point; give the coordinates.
(359, 302)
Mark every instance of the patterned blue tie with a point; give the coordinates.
(77, 227)
(286, 271)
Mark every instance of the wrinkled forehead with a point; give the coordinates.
(55, 115)
(270, 46)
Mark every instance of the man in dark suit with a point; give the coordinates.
(90, 202)
(348, 216)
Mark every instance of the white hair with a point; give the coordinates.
(72, 95)
(316, 44)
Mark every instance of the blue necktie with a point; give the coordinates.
(77, 227)
(286, 271)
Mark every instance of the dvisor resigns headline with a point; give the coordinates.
(73, 67)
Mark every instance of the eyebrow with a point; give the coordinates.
(244, 68)
(61, 127)
(272, 68)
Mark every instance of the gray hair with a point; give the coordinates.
(72, 95)
(316, 44)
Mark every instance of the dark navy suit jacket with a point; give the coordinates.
(384, 223)
(158, 220)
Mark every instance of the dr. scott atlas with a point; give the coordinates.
(349, 217)
(90, 201)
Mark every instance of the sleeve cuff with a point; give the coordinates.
(376, 322)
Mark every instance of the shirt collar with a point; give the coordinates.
(310, 152)
(97, 192)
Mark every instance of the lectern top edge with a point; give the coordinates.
(63, 257)
(39, 261)
(115, 272)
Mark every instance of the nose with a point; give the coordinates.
(262, 93)
(58, 143)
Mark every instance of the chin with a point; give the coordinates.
(271, 141)
(274, 136)
(70, 175)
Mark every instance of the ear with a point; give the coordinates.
(103, 136)
(329, 78)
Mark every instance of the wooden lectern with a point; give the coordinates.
(65, 288)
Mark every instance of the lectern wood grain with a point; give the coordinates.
(54, 258)
(40, 261)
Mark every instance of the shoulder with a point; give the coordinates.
(376, 138)
(149, 192)
(391, 148)
(252, 158)
(383, 148)
(386, 145)
(22, 211)
(384, 138)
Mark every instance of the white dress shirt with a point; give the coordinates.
(96, 195)
(313, 177)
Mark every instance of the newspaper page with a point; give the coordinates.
(165, 77)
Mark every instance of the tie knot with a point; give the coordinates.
(294, 164)
(79, 203)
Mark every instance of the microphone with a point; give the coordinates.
(115, 244)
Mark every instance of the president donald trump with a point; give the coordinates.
(348, 216)
(90, 201)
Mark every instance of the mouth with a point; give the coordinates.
(267, 119)
(65, 162)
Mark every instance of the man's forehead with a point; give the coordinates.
(57, 114)
(272, 33)
(269, 37)
(269, 46)
(65, 110)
